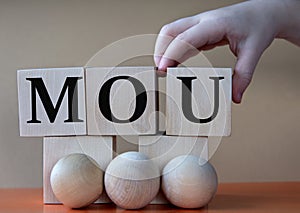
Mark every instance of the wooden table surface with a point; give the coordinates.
(231, 197)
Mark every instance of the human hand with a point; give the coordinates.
(249, 28)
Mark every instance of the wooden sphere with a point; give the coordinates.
(77, 180)
(132, 180)
(189, 181)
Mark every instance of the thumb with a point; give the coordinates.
(243, 72)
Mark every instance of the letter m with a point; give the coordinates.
(38, 86)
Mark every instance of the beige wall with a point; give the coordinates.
(265, 143)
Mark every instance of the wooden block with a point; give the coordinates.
(198, 101)
(97, 147)
(162, 149)
(121, 100)
(52, 102)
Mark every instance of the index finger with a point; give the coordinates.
(168, 33)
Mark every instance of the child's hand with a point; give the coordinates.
(249, 28)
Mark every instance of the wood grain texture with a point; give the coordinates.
(54, 80)
(162, 149)
(189, 181)
(97, 147)
(202, 102)
(132, 180)
(122, 101)
(77, 180)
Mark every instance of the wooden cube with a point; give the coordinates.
(98, 147)
(121, 100)
(198, 101)
(162, 149)
(52, 102)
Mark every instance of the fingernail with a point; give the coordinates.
(161, 73)
(160, 67)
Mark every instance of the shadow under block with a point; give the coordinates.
(126, 143)
(198, 101)
(98, 147)
(162, 149)
(161, 88)
(121, 100)
(52, 102)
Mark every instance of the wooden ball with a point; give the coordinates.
(189, 181)
(132, 180)
(77, 180)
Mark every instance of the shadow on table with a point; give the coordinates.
(113, 209)
(221, 202)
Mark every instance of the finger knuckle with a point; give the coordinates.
(167, 30)
(246, 77)
(181, 36)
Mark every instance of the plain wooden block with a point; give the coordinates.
(162, 149)
(121, 100)
(52, 102)
(100, 148)
(198, 101)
